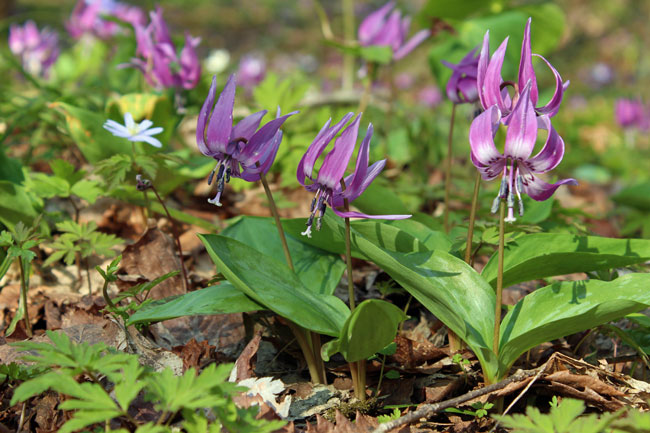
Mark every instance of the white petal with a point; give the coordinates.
(152, 141)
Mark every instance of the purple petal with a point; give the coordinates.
(203, 119)
(161, 32)
(526, 71)
(190, 65)
(220, 125)
(484, 153)
(247, 126)
(326, 134)
(353, 214)
(483, 61)
(373, 23)
(491, 87)
(415, 40)
(522, 128)
(391, 32)
(553, 105)
(252, 174)
(537, 189)
(256, 146)
(353, 187)
(335, 163)
(551, 154)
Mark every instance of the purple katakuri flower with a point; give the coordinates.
(134, 131)
(492, 90)
(517, 167)
(252, 70)
(383, 27)
(461, 86)
(159, 61)
(631, 113)
(37, 50)
(327, 184)
(87, 18)
(241, 150)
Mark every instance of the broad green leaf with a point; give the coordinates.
(15, 205)
(369, 329)
(380, 200)
(381, 54)
(219, 299)
(319, 271)
(85, 128)
(453, 291)
(402, 235)
(45, 186)
(566, 308)
(637, 196)
(10, 168)
(542, 255)
(453, 9)
(272, 284)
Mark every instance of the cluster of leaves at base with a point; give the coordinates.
(565, 417)
(114, 380)
(82, 239)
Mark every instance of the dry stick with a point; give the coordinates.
(314, 346)
(90, 289)
(178, 241)
(23, 296)
(448, 167)
(428, 410)
(497, 307)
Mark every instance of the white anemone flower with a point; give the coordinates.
(133, 131)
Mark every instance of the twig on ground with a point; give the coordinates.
(428, 410)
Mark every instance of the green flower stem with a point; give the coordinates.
(367, 88)
(309, 343)
(23, 297)
(349, 36)
(178, 241)
(107, 298)
(448, 166)
(497, 310)
(278, 222)
(472, 219)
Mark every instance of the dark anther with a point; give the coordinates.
(228, 171)
(310, 221)
(313, 204)
(141, 183)
(211, 176)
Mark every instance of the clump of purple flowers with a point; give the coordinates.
(87, 18)
(158, 59)
(385, 28)
(631, 113)
(252, 70)
(241, 150)
(37, 50)
(329, 185)
(518, 169)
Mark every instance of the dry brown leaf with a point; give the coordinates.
(411, 353)
(244, 367)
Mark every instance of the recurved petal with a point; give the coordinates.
(220, 124)
(259, 142)
(553, 105)
(203, 119)
(391, 32)
(481, 138)
(247, 126)
(190, 64)
(551, 154)
(483, 60)
(522, 128)
(373, 23)
(409, 46)
(353, 214)
(335, 163)
(491, 87)
(372, 172)
(526, 71)
(306, 165)
(354, 185)
(539, 190)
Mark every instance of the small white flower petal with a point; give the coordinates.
(152, 131)
(152, 141)
(144, 125)
(128, 121)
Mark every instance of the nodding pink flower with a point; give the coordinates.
(87, 18)
(37, 50)
(631, 113)
(252, 70)
(516, 166)
(241, 150)
(327, 183)
(383, 27)
(159, 62)
(461, 86)
(492, 90)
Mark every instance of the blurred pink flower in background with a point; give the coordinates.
(631, 113)
(430, 96)
(404, 81)
(86, 18)
(252, 70)
(37, 50)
